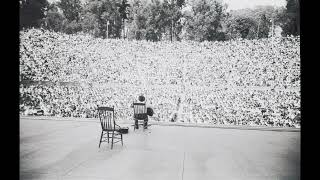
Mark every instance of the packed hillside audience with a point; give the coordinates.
(241, 82)
(244, 106)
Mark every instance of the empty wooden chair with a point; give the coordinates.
(109, 126)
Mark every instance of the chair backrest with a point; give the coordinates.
(106, 116)
(139, 111)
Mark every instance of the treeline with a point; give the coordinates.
(156, 20)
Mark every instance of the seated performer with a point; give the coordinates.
(138, 115)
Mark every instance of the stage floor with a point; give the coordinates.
(51, 149)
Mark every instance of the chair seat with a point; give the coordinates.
(116, 129)
(140, 116)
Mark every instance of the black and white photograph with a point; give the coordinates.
(159, 90)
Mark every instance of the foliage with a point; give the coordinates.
(147, 20)
(89, 24)
(123, 10)
(137, 20)
(156, 20)
(180, 3)
(263, 27)
(71, 27)
(291, 18)
(172, 15)
(241, 27)
(71, 9)
(54, 19)
(32, 12)
(206, 22)
(102, 18)
(252, 23)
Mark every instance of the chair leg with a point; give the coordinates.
(112, 139)
(145, 124)
(100, 138)
(121, 140)
(108, 136)
(136, 124)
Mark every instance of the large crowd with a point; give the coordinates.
(241, 82)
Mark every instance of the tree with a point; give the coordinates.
(241, 27)
(251, 23)
(171, 12)
(168, 15)
(291, 18)
(71, 27)
(90, 19)
(89, 24)
(155, 20)
(71, 9)
(32, 12)
(263, 27)
(206, 21)
(54, 19)
(123, 10)
(137, 18)
(155, 24)
(180, 3)
(106, 19)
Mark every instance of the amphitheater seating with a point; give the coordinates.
(222, 82)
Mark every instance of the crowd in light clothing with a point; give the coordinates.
(240, 82)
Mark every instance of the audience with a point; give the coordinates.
(240, 82)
